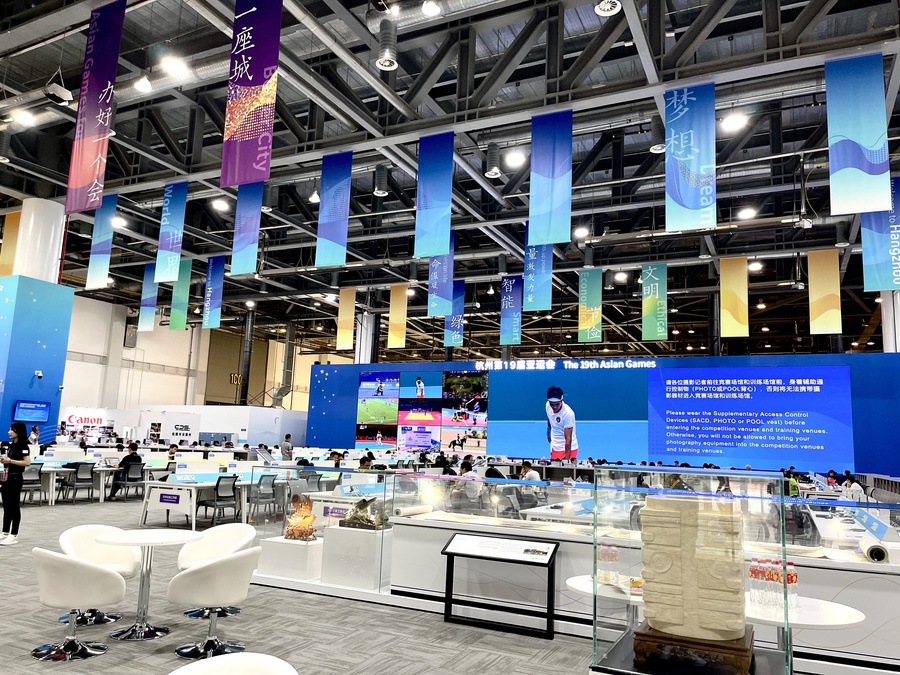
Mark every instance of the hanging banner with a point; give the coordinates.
(454, 326)
(440, 282)
(880, 235)
(590, 305)
(181, 292)
(101, 244)
(434, 193)
(247, 213)
(212, 295)
(397, 317)
(10, 238)
(654, 302)
(171, 231)
(149, 291)
(550, 206)
(252, 82)
(346, 318)
(511, 310)
(96, 107)
(691, 158)
(334, 210)
(538, 276)
(824, 292)
(734, 312)
(857, 135)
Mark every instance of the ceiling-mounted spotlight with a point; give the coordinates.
(387, 46)
(23, 118)
(580, 232)
(220, 205)
(431, 7)
(657, 135)
(410, 291)
(607, 7)
(314, 197)
(270, 198)
(175, 66)
(746, 213)
(119, 222)
(842, 237)
(621, 277)
(490, 290)
(250, 304)
(609, 280)
(381, 181)
(493, 161)
(755, 266)
(878, 299)
(704, 250)
(110, 281)
(4, 147)
(515, 158)
(501, 263)
(588, 257)
(197, 310)
(734, 121)
(761, 305)
(143, 85)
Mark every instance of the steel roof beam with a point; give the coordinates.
(807, 20)
(594, 51)
(690, 41)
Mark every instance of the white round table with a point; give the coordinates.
(146, 539)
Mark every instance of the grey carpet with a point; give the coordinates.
(317, 634)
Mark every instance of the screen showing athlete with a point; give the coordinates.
(420, 388)
(560, 426)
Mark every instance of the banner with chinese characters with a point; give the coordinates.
(247, 213)
(440, 282)
(181, 292)
(434, 194)
(881, 235)
(454, 326)
(734, 312)
(149, 291)
(101, 244)
(397, 316)
(171, 231)
(824, 292)
(691, 158)
(550, 206)
(334, 210)
(654, 302)
(96, 107)
(858, 159)
(346, 318)
(212, 294)
(511, 310)
(590, 305)
(252, 82)
(538, 277)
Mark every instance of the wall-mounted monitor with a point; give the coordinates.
(32, 411)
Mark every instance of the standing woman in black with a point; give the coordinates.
(14, 462)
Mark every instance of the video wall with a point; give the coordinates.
(816, 412)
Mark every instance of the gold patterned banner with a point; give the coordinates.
(734, 315)
(10, 237)
(824, 292)
(397, 317)
(346, 318)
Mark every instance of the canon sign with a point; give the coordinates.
(75, 419)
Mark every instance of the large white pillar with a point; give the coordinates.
(39, 244)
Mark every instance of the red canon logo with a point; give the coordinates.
(74, 419)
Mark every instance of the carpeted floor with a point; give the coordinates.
(317, 634)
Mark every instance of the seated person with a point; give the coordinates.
(527, 495)
(852, 491)
(131, 458)
(675, 483)
(335, 457)
(365, 463)
(172, 450)
(466, 490)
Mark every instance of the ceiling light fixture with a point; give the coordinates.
(690, 348)
(314, 197)
(318, 326)
(23, 118)
(387, 46)
(317, 304)
(143, 85)
(657, 135)
(842, 238)
(431, 8)
(767, 345)
(381, 181)
(119, 222)
(878, 299)
(580, 232)
(490, 290)
(515, 158)
(250, 304)
(755, 266)
(492, 169)
(175, 66)
(568, 336)
(734, 122)
(589, 258)
(330, 297)
(675, 331)
(220, 205)
(110, 280)
(691, 331)
(854, 344)
(746, 213)
(765, 329)
(760, 305)
(621, 277)
(410, 291)
(870, 343)
(197, 310)
(704, 249)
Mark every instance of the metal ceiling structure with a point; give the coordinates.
(481, 68)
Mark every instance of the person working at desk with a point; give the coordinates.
(172, 450)
(365, 462)
(14, 462)
(852, 491)
(131, 458)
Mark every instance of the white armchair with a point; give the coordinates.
(244, 663)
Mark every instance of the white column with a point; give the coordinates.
(890, 320)
(42, 225)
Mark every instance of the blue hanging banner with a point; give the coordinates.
(454, 322)
(171, 231)
(101, 244)
(440, 282)
(857, 135)
(212, 296)
(691, 158)
(511, 310)
(334, 210)
(550, 206)
(881, 245)
(537, 294)
(149, 291)
(247, 213)
(434, 194)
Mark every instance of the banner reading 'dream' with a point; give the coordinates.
(734, 313)
(397, 316)
(171, 231)
(550, 208)
(149, 291)
(654, 302)
(511, 310)
(824, 292)
(334, 210)
(212, 295)
(538, 276)
(454, 322)
(96, 106)
(247, 213)
(880, 235)
(857, 135)
(590, 305)
(252, 82)
(181, 292)
(346, 318)
(101, 244)
(440, 282)
(434, 194)
(691, 158)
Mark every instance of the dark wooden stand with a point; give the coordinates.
(655, 646)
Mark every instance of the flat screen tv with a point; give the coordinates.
(32, 411)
